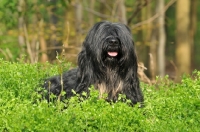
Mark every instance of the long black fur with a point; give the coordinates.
(111, 74)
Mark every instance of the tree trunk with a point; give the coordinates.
(152, 33)
(193, 24)
(91, 16)
(141, 43)
(54, 39)
(121, 12)
(78, 21)
(43, 45)
(34, 39)
(21, 37)
(161, 37)
(70, 34)
(183, 46)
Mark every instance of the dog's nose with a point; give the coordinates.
(113, 41)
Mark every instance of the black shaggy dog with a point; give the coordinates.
(108, 61)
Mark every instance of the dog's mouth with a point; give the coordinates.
(113, 47)
(112, 53)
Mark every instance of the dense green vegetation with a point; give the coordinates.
(37, 11)
(168, 106)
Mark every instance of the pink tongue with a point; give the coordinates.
(112, 54)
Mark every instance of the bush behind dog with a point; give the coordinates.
(168, 106)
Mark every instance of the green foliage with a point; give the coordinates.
(168, 106)
(7, 11)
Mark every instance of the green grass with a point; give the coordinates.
(169, 107)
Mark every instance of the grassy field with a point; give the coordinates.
(169, 107)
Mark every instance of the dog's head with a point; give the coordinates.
(108, 61)
(109, 44)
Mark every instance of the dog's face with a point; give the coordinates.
(109, 44)
(111, 51)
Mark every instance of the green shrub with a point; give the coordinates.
(168, 106)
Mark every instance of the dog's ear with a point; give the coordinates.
(82, 58)
(84, 73)
(132, 83)
(135, 90)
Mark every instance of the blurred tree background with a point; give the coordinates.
(165, 31)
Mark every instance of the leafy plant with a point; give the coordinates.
(168, 106)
